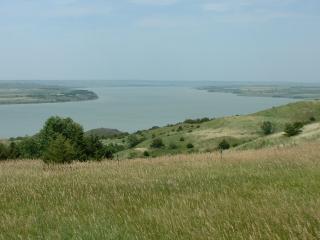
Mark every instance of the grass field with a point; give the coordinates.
(258, 194)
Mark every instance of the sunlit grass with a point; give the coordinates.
(265, 194)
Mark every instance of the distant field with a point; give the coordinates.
(264, 194)
(24, 93)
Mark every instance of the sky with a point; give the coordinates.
(182, 40)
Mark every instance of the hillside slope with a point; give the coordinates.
(240, 131)
(257, 194)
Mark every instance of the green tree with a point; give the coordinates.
(59, 150)
(56, 126)
(13, 151)
(94, 148)
(29, 148)
(267, 128)
(4, 153)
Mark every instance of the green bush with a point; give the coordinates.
(190, 145)
(182, 139)
(157, 143)
(267, 128)
(312, 119)
(146, 154)
(133, 140)
(59, 150)
(293, 129)
(195, 121)
(224, 145)
(173, 146)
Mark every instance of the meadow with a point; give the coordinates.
(271, 193)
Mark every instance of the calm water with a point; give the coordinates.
(132, 108)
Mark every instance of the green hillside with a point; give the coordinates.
(242, 132)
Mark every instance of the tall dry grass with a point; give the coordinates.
(264, 194)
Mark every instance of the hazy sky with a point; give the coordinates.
(226, 40)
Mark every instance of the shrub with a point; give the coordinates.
(182, 139)
(133, 141)
(267, 128)
(195, 121)
(293, 129)
(312, 119)
(223, 145)
(180, 128)
(59, 150)
(173, 146)
(146, 154)
(157, 143)
(190, 145)
(108, 151)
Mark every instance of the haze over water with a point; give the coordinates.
(132, 108)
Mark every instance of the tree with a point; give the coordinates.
(66, 127)
(293, 129)
(267, 128)
(13, 151)
(157, 143)
(3, 152)
(94, 148)
(223, 145)
(146, 154)
(29, 147)
(59, 150)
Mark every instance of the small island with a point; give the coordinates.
(30, 93)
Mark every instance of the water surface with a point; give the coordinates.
(132, 108)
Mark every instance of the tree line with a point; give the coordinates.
(61, 140)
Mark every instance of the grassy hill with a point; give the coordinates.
(243, 132)
(257, 194)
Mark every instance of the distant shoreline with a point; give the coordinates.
(12, 94)
(272, 91)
